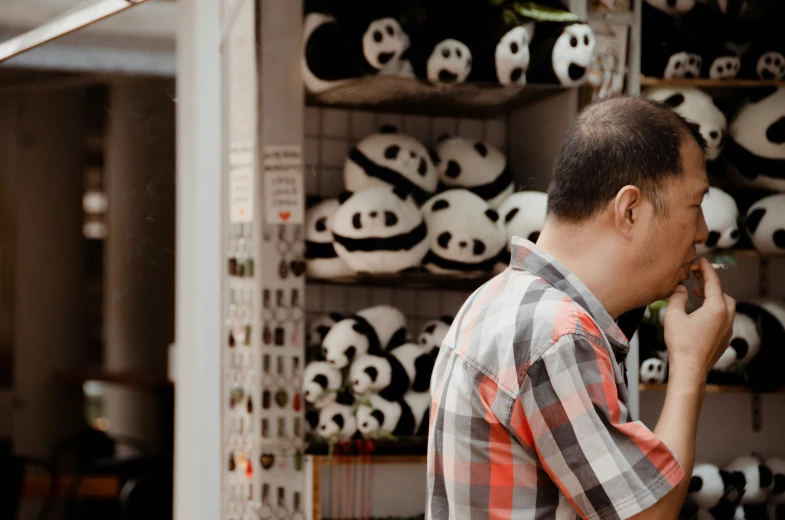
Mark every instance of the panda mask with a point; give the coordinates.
(321, 260)
(466, 236)
(696, 106)
(722, 218)
(756, 149)
(474, 165)
(765, 223)
(380, 230)
(391, 158)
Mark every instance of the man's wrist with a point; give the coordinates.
(686, 378)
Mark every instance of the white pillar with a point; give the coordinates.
(49, 325)
(139, 253)
(198, 293)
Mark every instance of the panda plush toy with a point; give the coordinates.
(744, 345)
(391, 158)
(666, 49)
(392, 374)
(336, 422)
(722, 218)
(777, 497)
(765, 223)
(713, 493)
(319, 327)
(377, 417)
(523, 215)
(321, 260)
(380, 230)
(764, 60)
(433, 334)
(561, 53)
(371, 330)
(761, 371)
(755, 152)
(698, 107)
(322, 383)
(500, 49)
(465, 234)
(474, 165)
(758, 483)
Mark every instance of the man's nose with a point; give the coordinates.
(703, 230)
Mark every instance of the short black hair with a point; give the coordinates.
(614, 142)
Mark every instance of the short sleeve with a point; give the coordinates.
(570, 413)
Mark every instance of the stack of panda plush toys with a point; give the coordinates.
(445, 42)
(748, 488)
(713, 39)
(366, 377)
(446, 210)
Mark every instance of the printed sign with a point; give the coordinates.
(241, 183)
(284, 200)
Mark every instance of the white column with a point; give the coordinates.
(139, 253)
(49, 322)
(198, 293)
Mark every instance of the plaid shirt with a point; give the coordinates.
(529, 417)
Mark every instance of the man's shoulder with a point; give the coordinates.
(511, 321)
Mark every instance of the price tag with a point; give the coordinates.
(284, 199)
(241, 183)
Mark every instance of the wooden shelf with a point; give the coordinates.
(411, 96)
(90, 486)
(710, 389)
(710, 83)
(408, 281)
(144, 380)
(335, 460)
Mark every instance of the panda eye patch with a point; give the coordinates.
(446, 52)
(444, 239)
(573, 41)
(392, 152)
(776, 132)
(586, 40)
(390, 218)
(422, 169)
(511, 214)
(321, 380)
(321, 225)
(356, 221)
(377, 36)
(338, 419)
(390, 30)
(514, 47)
(430, 328)
(458, 52)
(453, 170)
(440, 204)
(479, 247)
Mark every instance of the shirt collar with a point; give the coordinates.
(527, 256)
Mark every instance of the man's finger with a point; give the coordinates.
(677, 303)
(698, 291)
(712, 289)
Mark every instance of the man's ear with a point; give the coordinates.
(627, 209)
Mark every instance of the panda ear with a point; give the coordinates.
(446, 319)
(443, 138)
(753, 219)
(696, 484)
(400, 192)
(388, 129)
(674, 100)
(336, 316)
(758, 94)
(511, 214)
(312, 200)
(440, 205)
(429, 329)
(435, 159)
(491, 213)
(344, 196)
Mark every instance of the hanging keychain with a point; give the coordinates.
(265, 512)
(267, 317)
(283, 248)
(296, 384)
(297, 514)
(265, 381)
(281, 396)
(232, 258)
(280, 511)
(297, 248)
(280, 315)
(266, 457)
(284, 443)
(299, 444)
(296, 316)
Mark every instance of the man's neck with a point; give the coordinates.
(584, 252)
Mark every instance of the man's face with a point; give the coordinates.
(665, 243)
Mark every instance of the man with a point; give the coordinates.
(529, 418)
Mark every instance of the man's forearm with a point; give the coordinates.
(677, 428)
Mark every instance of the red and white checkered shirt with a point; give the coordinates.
(529, 417)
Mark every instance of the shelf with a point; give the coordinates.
(145, 380)
(410, 96)
(710, 83)
(407, 281)
(400, 449)
(335, 460)
(710, 389)
(90, 486)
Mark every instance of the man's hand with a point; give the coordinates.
(695, 341)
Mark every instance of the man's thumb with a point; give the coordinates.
(678, 299)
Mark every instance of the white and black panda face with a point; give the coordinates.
(771, 66)
(758, 133)
(758, 478)
(391, 158)
(573, 53)
(683, 65)
(465, 233)
(653, 371)
(377, 417)
(321, 260)
(317, 221)
(698, 107)
(320, 326)
(475, 165)
(383, 42)
(707, 485)
(449, 62)
(744, 344)
(512, 56)
(765, 224)
(722, 216)
(380, 230)
(321, 382)
(523, 214)
(433, 334)
(725, 67)
(672, 7)
(336, 421)
(345, 341)
(369, 373)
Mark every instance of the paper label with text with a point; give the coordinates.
(284, 199)
(241, 183)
